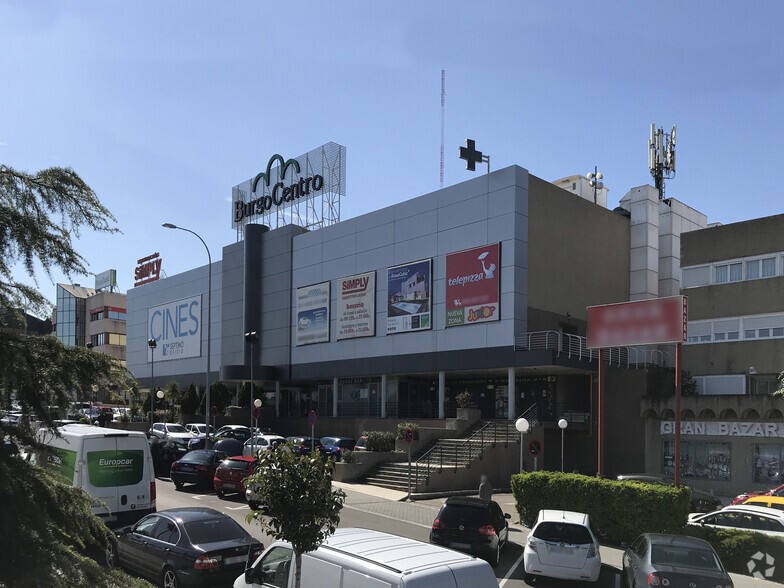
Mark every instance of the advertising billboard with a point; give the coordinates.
(357, 306)
(473, 280)
(107, 279)
(643, 322)
(313, 314)
(409, 288)
(176, 328)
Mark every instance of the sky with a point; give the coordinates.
(162, 107)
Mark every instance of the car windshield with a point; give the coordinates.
(175, 429)
(198, 455)
(559, 532)
(453, 515)
(236, 464)
(685, 557)
(346, 443)
(214, 530)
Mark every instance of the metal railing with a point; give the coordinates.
(456, 453)
(577, 347)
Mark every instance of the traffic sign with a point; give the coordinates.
(535, 447)
(312, 417)
(256, 413)
(409, 435)
(214, 411)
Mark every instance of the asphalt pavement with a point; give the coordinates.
(390, 511)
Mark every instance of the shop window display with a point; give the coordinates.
(699, 459)
(766, 463)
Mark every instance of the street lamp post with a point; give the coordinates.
(251, 337)
(522, 425)
(563, 423)
(207, 404)
(257, 404)
(152, 344)
(92, 401)
(159, 394)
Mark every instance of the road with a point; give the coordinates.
(413, 520)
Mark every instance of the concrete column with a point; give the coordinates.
(383, 396)
(441, 394)
(512, 413)
(277, 398)
(334, 397)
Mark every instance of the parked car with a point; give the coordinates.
(472, 525)
(230, 474)
(776, 502)
(196, 467)
(229, 446)
(562, 545)
(360, 557)
(700, 501)
(741, 498)
(174, 431)
(197, 429)
(304, 445)
(259, 442)
(334, 445)
(762, 519)
(237, 432)
(361, 444)
(673, 560)
(186, 547)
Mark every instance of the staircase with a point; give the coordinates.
(443, 454)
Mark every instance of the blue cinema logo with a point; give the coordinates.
(173, 323)
(280, 193)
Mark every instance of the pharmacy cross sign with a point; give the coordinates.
(471, 155)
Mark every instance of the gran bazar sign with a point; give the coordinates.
(725, 429)
(281, 193)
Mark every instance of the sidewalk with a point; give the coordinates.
(394, 504)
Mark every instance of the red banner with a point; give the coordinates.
(473, 277)
(643, 322)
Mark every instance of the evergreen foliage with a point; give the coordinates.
(46, 525)
(190, 401)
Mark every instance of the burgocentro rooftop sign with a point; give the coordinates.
(285, 192)
(280, 193)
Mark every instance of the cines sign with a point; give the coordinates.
(176, 328)
(281, 193)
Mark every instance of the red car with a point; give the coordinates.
(231, 474)
(741, 498)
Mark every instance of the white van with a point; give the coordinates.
(111, 465)
(360, 558)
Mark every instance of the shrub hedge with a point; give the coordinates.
(401, 429)
(380, 440)
(619, 511)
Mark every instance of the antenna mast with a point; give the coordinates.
(661, 157)
(443, 93)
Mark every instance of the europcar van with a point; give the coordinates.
(359, 557)
(111, 465)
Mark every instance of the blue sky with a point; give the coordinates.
(162, 107)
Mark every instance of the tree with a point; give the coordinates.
(46, 524)
(296, 500)
(220, 396)
(190, 401)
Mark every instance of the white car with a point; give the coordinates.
(265, 442)
(197, 429)
(174, 431)
(746, 517)
(562, 545)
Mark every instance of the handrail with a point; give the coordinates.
(577, 346)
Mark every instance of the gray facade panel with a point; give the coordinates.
(376, 238)
(379, 218)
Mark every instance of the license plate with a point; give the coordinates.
(560, 550)
(236, 559)
(460, 545)
(227, 485)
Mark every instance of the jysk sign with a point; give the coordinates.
(176, 328)
(357, 306)
(472, 286)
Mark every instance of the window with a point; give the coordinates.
(733, 335)
(749, 333)
(729, 272)
(778, 331)
(753, 269)
(699, 459)
(721, 274)
(276, 565)
(719, 336)
(766, 463)
(764, 333)
(769, 267)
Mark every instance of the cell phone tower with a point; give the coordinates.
(661, 157)
(443, 95)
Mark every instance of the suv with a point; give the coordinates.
(335, 445)
(472, 525)
(700, 501)
(562, 545)
(174, 431)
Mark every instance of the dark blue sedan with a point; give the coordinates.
(186, 547)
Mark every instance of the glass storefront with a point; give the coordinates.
(703, 460)
(766, 463)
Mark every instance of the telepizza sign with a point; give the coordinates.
(472, 286)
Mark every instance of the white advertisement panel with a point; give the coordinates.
(107, 279)
(313, 314)
(408, 289)
(176, 328)
(357, 306)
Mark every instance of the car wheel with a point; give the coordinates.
(253, 505)
(221, 494)
(495, 557)
(110, 555)
(528, 578)
(178, 485)
(169, 579)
